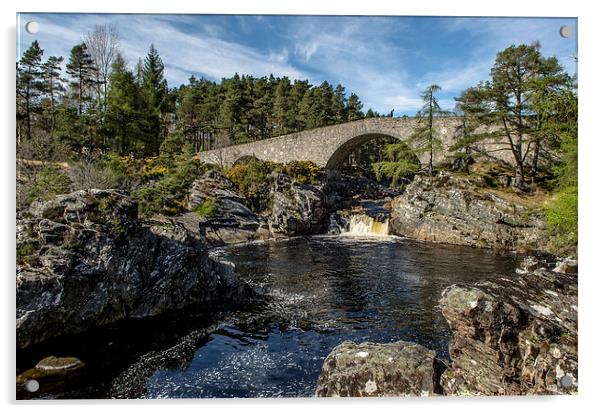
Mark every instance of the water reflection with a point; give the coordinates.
(321, 291)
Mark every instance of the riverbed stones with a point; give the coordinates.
(51, 374)
(369, 369)
(452, 209)
(516, 335)
(85, 259)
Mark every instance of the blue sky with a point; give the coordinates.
(386, 61)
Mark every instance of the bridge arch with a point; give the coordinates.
(329, 146)
(342, 152)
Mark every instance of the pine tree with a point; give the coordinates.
(83, 72)
(283, 121)
(298, 91)
(231, 109)
(425, 138)
(125, 120)
(519, 78)
(53, 86)
(354, 108)
(339, 105)
(29, 85)
(156, 93)
(262, 108)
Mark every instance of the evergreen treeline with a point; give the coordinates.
(99, 103)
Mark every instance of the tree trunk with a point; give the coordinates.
(431, 134)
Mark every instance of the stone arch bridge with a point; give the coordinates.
(330, 146)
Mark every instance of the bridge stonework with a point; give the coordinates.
(330, 146)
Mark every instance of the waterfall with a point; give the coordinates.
(361, 224)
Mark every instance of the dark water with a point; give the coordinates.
(321, 291)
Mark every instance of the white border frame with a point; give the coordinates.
(590, 146)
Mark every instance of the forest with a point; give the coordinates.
(102, 104)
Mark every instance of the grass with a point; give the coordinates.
(207, 209)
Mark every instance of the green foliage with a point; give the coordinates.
(562, 219)
(167, 195)
(394, 171)
(49, 182)
(305, 172)
(172, 145)
(207, 209)
(401, 163)
(131, 112)
(25, 252)
(118, 166)
(425, 138)
(249, 177)
(516, 96)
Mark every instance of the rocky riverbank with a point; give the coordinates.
(513, 336)
(455, 209)
(86, 260)
(294, 209)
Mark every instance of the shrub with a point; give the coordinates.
(206, 209)
(394, 171)
(305, 172)
(88, 174)
(51, 181)
(251, 181)
(168, 194)
(562, 219)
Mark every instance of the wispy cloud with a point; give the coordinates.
(387, 61)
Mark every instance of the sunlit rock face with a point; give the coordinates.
(515, 335)
(296, 209)
(85, 260)
(451, 209)
(369, 369)
(232, 222)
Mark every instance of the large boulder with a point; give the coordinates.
(231, 221)
(514, 336)
(370, 369)
(85, 260)
(296, 208)
(452, 209)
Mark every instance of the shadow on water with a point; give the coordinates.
(318, 292)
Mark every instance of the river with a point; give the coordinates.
(317, 292)
(321, 291)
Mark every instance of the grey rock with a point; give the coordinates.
(450, 209)
(297, 209)
(86, 260)
(513, 336)
(529, 264)
(370, 369)
(566, 266)
(233, 222)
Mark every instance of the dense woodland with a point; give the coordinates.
(93, 120)
(99, 103)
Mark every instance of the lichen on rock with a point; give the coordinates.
(370, 369)
(451, 209)
(87, 260)
(520, 337)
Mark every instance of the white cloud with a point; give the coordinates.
(183, 53)
(377, 58)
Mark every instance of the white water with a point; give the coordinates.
(361, 224)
